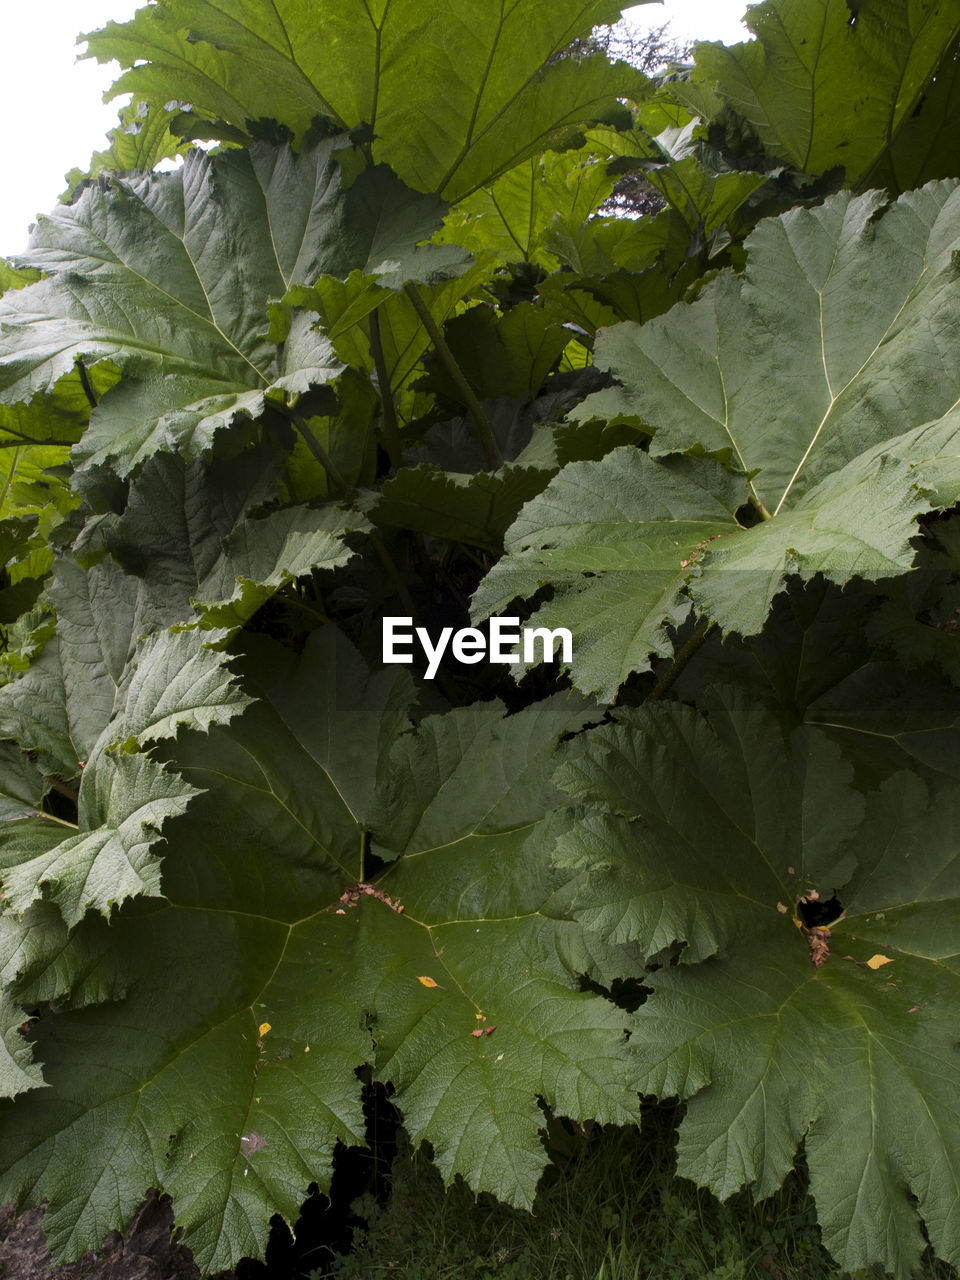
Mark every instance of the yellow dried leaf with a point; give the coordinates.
(782, 908)
(263, 1028)
(427, 982)
(877, 962)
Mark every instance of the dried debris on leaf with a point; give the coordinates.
(363, 889)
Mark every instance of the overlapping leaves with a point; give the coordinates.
(871, 86)
(460, 987)
(832, 435)
(777, 1029)
(168, 277)
(451, 95)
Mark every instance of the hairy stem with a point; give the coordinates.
(491, 451)
(669, 677)
(61, 822)
(757, 504)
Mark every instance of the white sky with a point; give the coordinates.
(54, 117)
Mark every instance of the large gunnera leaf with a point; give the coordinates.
(96, 696)
(374, 898)
(821, 375)
(168, 277)
(792, 1017)
(617, 540)
(452, 95)
(201, 538)
(829, 83)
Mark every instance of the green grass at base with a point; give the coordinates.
(609, 1208)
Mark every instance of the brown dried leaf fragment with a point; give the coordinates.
(819, 940)
(362, 889)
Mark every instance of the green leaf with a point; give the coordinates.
(176, 683)
(486, 103)
(124, 801)
(193, 258)
(141, 140)
(858, 522)
(263, 555)
(833, 1046)
(33, 710)
(21, 784)
(312, 962)
(840, 458)
(96, 674)
(476, 509)
(40, 959)
(923, 148)
(500, 355)
(618, 541)
(822, 86)
(856, 286)
(824, 658)
(191, 551)
(12, 277)
(512, 217)
(18, 1071)
(345, 307)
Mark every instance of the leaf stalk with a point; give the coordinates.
(669, 677)
(488, 443)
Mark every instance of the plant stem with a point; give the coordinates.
(491, 451)
(388, 409)
(85, 383)
(669, 677)
(758, 506)
(61, 822)
(321, 455)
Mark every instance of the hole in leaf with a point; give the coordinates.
(821, 912)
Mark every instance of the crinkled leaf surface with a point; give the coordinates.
(94, 675)
(857, 1061)
(823, 86)
(453, 94)
(835, 439)
(617, 540)
(285, 930)
(18, 1071)
(828, 344)
(169, 276)
(188, 545)
(124, 801)
(21, 784)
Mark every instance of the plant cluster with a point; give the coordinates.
(373, 351)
